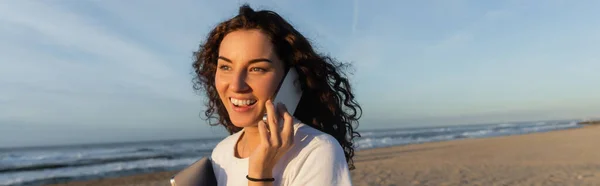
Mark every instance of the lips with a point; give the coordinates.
(242, 102)
(242, 105)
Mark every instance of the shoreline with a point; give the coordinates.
(566, 157)
(590, 122)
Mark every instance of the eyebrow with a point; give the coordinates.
(251, 61)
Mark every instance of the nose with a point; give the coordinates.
(238, 82)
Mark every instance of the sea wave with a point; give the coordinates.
(60, 164)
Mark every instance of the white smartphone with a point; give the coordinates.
(289, 92)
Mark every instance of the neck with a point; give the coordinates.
(250, 139)
(251, 134)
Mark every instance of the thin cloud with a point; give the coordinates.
(355, 17)
(68, 67)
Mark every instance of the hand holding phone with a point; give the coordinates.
(277, 137)
(289, 93)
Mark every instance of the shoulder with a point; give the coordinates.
(318, 160)
(311, 143)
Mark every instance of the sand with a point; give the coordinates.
(566, 157)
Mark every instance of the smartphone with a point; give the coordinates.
(289, 92)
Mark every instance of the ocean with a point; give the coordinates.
(43, 165)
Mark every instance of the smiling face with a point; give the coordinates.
(248, 73)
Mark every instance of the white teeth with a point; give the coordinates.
(239, 102)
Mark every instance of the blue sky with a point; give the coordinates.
(105, 71)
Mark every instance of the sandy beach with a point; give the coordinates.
(566, 157)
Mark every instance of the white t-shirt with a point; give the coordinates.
(315, 159)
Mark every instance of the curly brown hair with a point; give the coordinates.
(327, 102)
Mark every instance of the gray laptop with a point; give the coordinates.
(200, 173)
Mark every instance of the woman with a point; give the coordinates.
(239, 68)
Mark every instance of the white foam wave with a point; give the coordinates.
(382, 139)
(73, 172)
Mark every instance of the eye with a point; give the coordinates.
(224, 67)
(258, 69)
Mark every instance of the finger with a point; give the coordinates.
(280, 109)
(262, 131)
(287, 133)
(272, 123)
